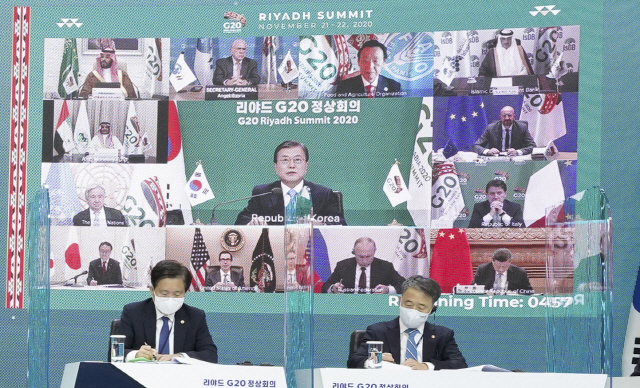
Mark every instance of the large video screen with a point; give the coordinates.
(429, 141)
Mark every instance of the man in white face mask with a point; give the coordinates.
(409, 339)
(163, 327)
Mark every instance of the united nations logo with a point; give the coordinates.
(232, 240)
(410, 56)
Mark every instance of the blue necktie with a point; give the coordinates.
(164, 337)
(412, 346)
(291, 206)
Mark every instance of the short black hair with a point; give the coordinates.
(290, 144)
(374, 43)
(170, 269)
(427, 286)
(227, 252)
(105, 243)
(502, 255)
(496, 183)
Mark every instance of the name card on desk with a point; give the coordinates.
(380, 378)
(212, 375)
(173, 375)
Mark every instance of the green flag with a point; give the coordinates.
(68, 81)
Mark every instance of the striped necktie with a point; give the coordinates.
(412, 346)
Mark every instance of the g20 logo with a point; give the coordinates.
(231, 26)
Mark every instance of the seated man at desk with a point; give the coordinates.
(163, 327)
(222, 277)
(409, 339)
(104, 139)
(104, 270)
(370, 83)
(107, 71)
(496, 211)
(500, 275)
(364, 273)
(504, 58)
(290, 161)
(506, 136)
(236, 70)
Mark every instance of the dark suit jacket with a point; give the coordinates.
(190, 332)
(324, 201)
(113, 275)
(482, 209)
(354, 87)
(224, 71)
(438, 345)
(488, 66)
(215, 276)
(492, 138)
(636, 370)
(114, 217)
(382, 272)
(517, 278)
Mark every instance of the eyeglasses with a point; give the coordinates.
(296, 161)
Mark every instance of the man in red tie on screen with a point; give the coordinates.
(371, 58)
(104, 270)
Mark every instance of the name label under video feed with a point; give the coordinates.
(504, 301)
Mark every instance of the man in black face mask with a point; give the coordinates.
(163, 327)
(409, 339)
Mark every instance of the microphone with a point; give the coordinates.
(74, 278)
(274, 191)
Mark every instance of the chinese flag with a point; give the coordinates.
(451, 259)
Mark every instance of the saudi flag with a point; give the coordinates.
(68, 81)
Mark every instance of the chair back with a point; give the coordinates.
(356, 339)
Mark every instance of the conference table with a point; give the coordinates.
(134, 375)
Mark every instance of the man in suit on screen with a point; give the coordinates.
(506, 136)
(236, 70)
(104, 270)
(409, 339)
(496, 211)
(500, 275)
(97, 214)
(223, 278)
(290, 161)
(371, 58)
(163, 327)
(364, 273)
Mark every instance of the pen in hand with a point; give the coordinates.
(153, 356)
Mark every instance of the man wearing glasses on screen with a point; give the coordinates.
(370, 83)
(269, 201)
(236, 70)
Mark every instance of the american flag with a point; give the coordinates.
(199, 258)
